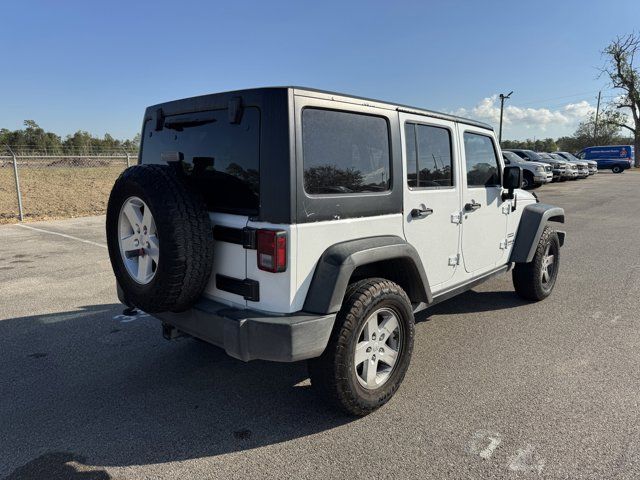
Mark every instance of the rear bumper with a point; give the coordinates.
(251, 335)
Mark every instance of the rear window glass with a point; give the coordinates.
(344, 152)
(222, 157)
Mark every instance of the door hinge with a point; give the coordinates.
(507, 242)
(454, 260)
(456, 218)
(506, 208)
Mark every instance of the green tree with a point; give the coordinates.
(33, 138)
(608, 128)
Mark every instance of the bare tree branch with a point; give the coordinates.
(623, 75)
(624, 125)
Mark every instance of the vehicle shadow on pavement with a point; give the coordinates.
(474, 302)
(57, 465)
(107, 388)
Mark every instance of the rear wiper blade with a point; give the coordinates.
(183, 123)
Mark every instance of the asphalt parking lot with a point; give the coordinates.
(498, 387)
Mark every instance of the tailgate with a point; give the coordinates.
(220, 153)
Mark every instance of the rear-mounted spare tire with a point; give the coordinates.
(160, 239)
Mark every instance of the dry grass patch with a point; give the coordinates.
(56, 192)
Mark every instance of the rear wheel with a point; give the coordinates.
(616, 169)
(369, 350)
(535, 280)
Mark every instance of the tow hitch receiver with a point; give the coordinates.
(169, 332)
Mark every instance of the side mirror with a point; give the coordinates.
(507, 161)
(511, 179)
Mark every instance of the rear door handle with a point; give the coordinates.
(472, 206)
(421, 212)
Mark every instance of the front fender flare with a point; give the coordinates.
(532, 223)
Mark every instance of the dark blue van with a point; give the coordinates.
(614, 157)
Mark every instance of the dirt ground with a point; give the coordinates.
(56, 192)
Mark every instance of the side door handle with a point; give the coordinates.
(472, 206)
(421, 212)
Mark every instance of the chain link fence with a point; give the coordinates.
(38, 185)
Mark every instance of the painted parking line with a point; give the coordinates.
(29, 227)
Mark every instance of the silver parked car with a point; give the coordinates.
(582, 166)
(558, 168)
(534, 174)
(593, 165)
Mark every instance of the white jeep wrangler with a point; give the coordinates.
(293, 224)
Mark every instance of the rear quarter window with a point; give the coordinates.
(345, 152)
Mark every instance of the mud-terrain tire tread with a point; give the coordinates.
(330, 372)
(184, 235)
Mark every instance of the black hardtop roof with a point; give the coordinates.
(306, 91)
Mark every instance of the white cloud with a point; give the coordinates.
(529, 121)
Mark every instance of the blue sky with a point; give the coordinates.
(96, 65)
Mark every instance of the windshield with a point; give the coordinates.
(569, 156)
(533, 155)
(512, 157)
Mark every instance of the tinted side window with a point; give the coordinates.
(429, 159)
(344, 152)
(482, 161)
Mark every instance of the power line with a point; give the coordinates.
(534, 102)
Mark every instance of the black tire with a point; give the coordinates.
(333, 374)
(184, 237)
(527, 180)
(528, 278)
(616, 169)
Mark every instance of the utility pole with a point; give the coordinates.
(595, 127)
(503, 97)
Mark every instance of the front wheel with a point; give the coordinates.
(535, 280)
(616, 169)
(369, 350)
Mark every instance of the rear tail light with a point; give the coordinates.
(272, 250)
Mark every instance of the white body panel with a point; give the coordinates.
(228, 259)
(453, 252)
(435, 237)
(484, 229)
(277, 290)
(314, 238)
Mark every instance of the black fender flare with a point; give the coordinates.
(532, 223)
(338, 262)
